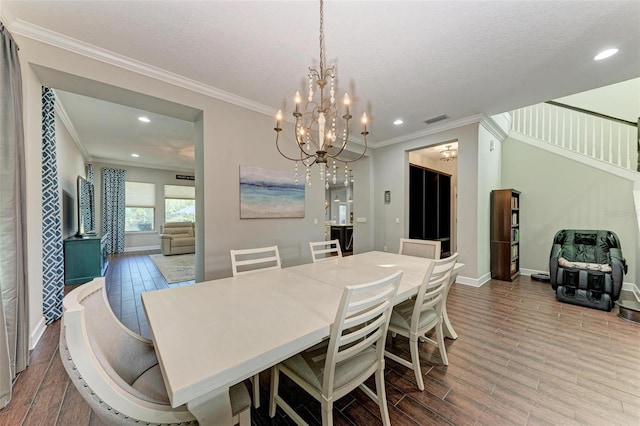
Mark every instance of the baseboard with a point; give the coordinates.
(145, 248)
(474, 282)
(633, 288)
(34, 338)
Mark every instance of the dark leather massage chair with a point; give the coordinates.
(587, 268)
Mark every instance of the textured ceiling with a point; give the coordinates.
(397, 59)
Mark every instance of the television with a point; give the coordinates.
(86, 208)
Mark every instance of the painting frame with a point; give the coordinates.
(270, 194)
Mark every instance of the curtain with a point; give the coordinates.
(52, 250)
(113, 203)
(14, 346)
(92, 218)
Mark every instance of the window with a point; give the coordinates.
(140, 205)
(179, 203)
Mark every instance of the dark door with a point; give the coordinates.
(430, 205)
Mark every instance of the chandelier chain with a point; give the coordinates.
(321, 39)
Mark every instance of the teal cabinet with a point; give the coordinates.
(84, 258)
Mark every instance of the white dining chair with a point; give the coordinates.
(248, 261)
(421, 248)
(324, 250)
(116, 371)
(415, 317)
(354, 352)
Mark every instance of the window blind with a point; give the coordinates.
(181, 192)
(140, 194)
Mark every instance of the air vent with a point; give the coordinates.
(436, 119)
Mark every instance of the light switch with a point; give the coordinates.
(315, 220)
(397, 220)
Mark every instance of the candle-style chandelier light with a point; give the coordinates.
(320, 135)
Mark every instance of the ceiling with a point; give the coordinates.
(413, 60)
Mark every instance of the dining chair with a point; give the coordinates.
(415, 317)
(354, 352)
(420, 248)
(323, 250)
(116, 371)
(248, 261)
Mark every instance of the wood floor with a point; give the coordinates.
(521, 358)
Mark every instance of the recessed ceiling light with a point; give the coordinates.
(144, 119)
(605, 54)
(398, 122)
(135, 155)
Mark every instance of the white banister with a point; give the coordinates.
(586, 134)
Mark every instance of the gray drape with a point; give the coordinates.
(14, 344)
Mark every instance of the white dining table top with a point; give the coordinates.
(213, 334)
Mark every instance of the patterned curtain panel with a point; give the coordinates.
(14, 333)
(90, 219)
(113, 208)
(52, 252)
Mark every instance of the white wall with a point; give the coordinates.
(391, 172)
(489, 178)
(620, 100)
(71, 164)
(558, 193)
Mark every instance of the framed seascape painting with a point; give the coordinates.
(267, 194)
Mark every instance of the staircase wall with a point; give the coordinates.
(560, 193)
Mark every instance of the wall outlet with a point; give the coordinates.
(397, 220)
(361, 220)
(385, 248)
(315, 220)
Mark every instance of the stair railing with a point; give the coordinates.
(598, 136)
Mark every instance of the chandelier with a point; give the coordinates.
(449, 154)
(321, 135)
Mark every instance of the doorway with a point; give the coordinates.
(432, 196)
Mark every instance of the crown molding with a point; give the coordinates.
(58, 108)
(168, 167)
(493, 127)
(43, 35)
(438, 128)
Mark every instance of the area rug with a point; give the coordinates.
(175, 269)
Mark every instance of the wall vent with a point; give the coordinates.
(436, 119)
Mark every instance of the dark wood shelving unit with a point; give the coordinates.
(505, 234)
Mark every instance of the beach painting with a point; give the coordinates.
(267, 193)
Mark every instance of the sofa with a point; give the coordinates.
(177, 238)
(587, 268)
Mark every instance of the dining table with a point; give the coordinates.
(211, 335)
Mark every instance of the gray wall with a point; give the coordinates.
(558, 193)
(391, 172)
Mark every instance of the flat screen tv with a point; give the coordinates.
(86, 208)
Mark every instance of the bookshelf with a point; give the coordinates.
(505, 234)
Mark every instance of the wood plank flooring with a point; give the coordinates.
(521, 358)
